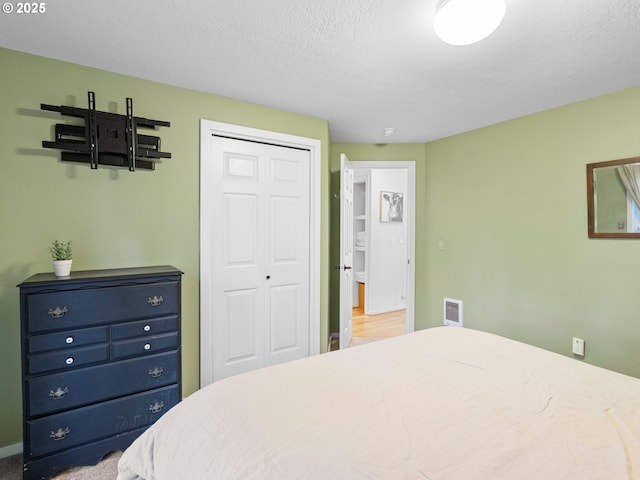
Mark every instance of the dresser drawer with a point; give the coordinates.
(67, 359)
(144, 346)
(144, 327)
(67, 340)
(61, 391)
(76, 427)
(94, 306)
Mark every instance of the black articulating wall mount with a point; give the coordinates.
(106, 138)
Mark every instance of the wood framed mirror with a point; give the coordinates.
(613, 198)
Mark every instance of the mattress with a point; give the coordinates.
(440, 404)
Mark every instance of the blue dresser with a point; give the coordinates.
(100, 362)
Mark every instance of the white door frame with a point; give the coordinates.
(346, 251)
(410, 166)
(207, 129)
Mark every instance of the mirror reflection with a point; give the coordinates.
(613, 195)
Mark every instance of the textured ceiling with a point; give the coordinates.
(363, 65)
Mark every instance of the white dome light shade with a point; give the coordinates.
(463, 22)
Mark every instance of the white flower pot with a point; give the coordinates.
(62, 268)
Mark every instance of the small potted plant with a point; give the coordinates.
(61, 255)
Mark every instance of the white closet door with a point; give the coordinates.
(287, 257)
(261, 255)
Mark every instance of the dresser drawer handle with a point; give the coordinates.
(156, 407)
(69, 340)
(156, 372)
(60, 434)
(155, 301)
(147, 346)
(59, 393)
(69, 361)
(58, 312)
(147, 328)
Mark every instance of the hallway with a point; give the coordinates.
(369, 328)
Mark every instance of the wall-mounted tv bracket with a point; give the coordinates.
(106, 138)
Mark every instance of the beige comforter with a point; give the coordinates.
(439, 404)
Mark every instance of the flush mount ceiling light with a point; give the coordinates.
(463, 22)
(389, 131)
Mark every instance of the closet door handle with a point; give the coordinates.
(345, 267)
(268, 277)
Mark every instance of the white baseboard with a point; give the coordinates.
(10, 450)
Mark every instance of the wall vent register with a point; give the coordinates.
(100, 362)
(453, 312)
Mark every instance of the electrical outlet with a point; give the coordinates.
(577, 346)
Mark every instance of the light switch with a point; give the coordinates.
(440, 244)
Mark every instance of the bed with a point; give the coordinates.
(439, 404)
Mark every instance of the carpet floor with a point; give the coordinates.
(107, 469)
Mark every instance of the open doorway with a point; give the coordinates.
(383, 260)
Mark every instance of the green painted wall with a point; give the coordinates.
(115, 218)
(384, 152)
(510, 202)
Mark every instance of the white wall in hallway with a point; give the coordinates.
(387, 251)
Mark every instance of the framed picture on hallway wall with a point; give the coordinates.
(391, 206)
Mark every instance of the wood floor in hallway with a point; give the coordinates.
(369, 328)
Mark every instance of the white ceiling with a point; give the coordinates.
(363, 65)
